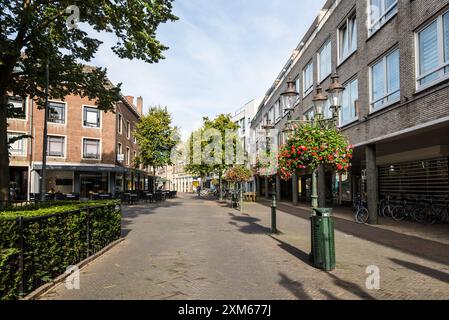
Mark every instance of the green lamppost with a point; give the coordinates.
(268, 127)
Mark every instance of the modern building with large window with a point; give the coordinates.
(393, 58)
(85, 147)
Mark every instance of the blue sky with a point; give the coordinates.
(223, 53)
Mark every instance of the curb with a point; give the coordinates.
(47, 287)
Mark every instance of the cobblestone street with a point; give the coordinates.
(190, 248)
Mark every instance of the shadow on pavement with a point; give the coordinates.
(251, 227)
(295, 287)
(423, 248)
(297, 253)
(433, 273)
(351, 287)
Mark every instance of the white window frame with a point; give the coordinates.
(100, 146)
(99, 117)
(342, 59)
(309, 89)
(388, 94)
(128, 130)
(120, 122)
(383, 13)
(66, 114)
(328, 42)
(25, 143)
(65, 146)
(355, 118)
(128, 156)
(442, 64)
(25, 102)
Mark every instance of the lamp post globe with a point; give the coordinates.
(289, 96)
(319, 101)
(335, 92)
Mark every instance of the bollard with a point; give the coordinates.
(273, 214)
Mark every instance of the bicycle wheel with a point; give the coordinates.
(362, 215)
(387, 211)
(399, 213)
(420, 215)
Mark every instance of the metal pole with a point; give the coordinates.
(44, 137)
(314, 189)
(21, 258)
(273, 211)
(241, 197)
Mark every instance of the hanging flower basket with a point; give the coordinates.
(311, 146)
(238, 174)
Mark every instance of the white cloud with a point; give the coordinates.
(222, 54)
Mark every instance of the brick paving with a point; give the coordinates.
(190, 248)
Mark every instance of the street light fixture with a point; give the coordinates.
(319, 102)
(335, 92)
(289, 97)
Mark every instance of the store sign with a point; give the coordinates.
(120, 157)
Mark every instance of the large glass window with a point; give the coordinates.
(380, 12)
(91, 149)
(56, 112)
(56, 146)
(325, 61)
(18, 147)
(307, 82)
(347, 38)
(349, 99)
(433, 51)
(91, 117)
(385, 81)
(18, 106)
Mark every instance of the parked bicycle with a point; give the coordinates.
(361, 213)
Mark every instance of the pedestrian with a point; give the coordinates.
(198, 190)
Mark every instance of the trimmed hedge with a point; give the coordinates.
(51, 239)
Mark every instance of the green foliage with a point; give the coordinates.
(53, 239)
(156, 138)
(223, 124)
(311, 146)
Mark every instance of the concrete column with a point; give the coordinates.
(321, 187)
(278, 188)
(295, 189)
(372, 183)
(267, 193)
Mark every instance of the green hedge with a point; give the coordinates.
(52, 239)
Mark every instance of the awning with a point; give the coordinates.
(93, 168)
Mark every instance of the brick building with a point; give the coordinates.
(393, 58)
(88, 150)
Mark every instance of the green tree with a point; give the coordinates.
(156, 138)
(223, 125)
(34, 32)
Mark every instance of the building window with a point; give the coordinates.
(128, 155)
(309, 115)
(380, 12)
(298, 84)
(272, 115)
(18, 107)
(134, 156)
(91, 117)
(325, 61)
(347, 38)
(120, 124)
(433, 51)
(56, 146)
(385, 86)
(56, 112)
(18, 147)
(128, 130)
(349, 100)
(307, 82)
(91, 149)
(119, 148)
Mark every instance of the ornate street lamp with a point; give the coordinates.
(335, 92)
(319, 102)
(289, 97)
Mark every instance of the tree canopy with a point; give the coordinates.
(34, 32)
